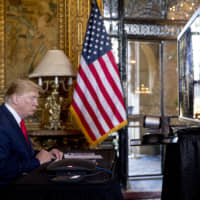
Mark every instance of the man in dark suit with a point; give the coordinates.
(16, 153)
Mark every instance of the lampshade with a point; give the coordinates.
(54, 63)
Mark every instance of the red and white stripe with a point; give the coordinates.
(97, 98)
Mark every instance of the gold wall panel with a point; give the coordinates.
(77, 14)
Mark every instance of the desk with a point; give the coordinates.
(36, 185)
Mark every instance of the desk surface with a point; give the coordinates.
(37, 185)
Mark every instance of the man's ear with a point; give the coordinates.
(15, 99)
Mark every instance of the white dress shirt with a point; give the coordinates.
(14, 113)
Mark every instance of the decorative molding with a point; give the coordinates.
(153, 30)
(153, 9)
(77, 14)
(61, 24)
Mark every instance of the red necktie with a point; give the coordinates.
(23, 127)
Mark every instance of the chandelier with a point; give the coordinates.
(182, 9)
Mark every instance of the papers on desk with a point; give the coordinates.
(88, 156)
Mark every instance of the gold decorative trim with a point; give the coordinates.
(100, 4)
(61, 24)
(79, 7)
(80, 42)
(68, 41)
(2, 45)
(77, 14)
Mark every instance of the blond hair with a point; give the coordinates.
(20, 87)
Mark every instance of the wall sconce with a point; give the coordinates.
(56, 65)
(142, 90)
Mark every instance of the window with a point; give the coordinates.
(143, 98)
(147, 60)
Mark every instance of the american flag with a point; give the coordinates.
(98, 103)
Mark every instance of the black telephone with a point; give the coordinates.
(72, 165)
(70, 170)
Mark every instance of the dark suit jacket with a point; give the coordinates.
(16, 155)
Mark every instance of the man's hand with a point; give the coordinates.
(58, 155)
(44, 156)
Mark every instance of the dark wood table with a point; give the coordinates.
(37, 184)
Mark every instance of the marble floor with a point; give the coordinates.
(145, 185)
(142, 164)
(145, 178)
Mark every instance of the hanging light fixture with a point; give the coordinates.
(182, 9)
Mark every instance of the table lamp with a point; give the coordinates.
(56, 65)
